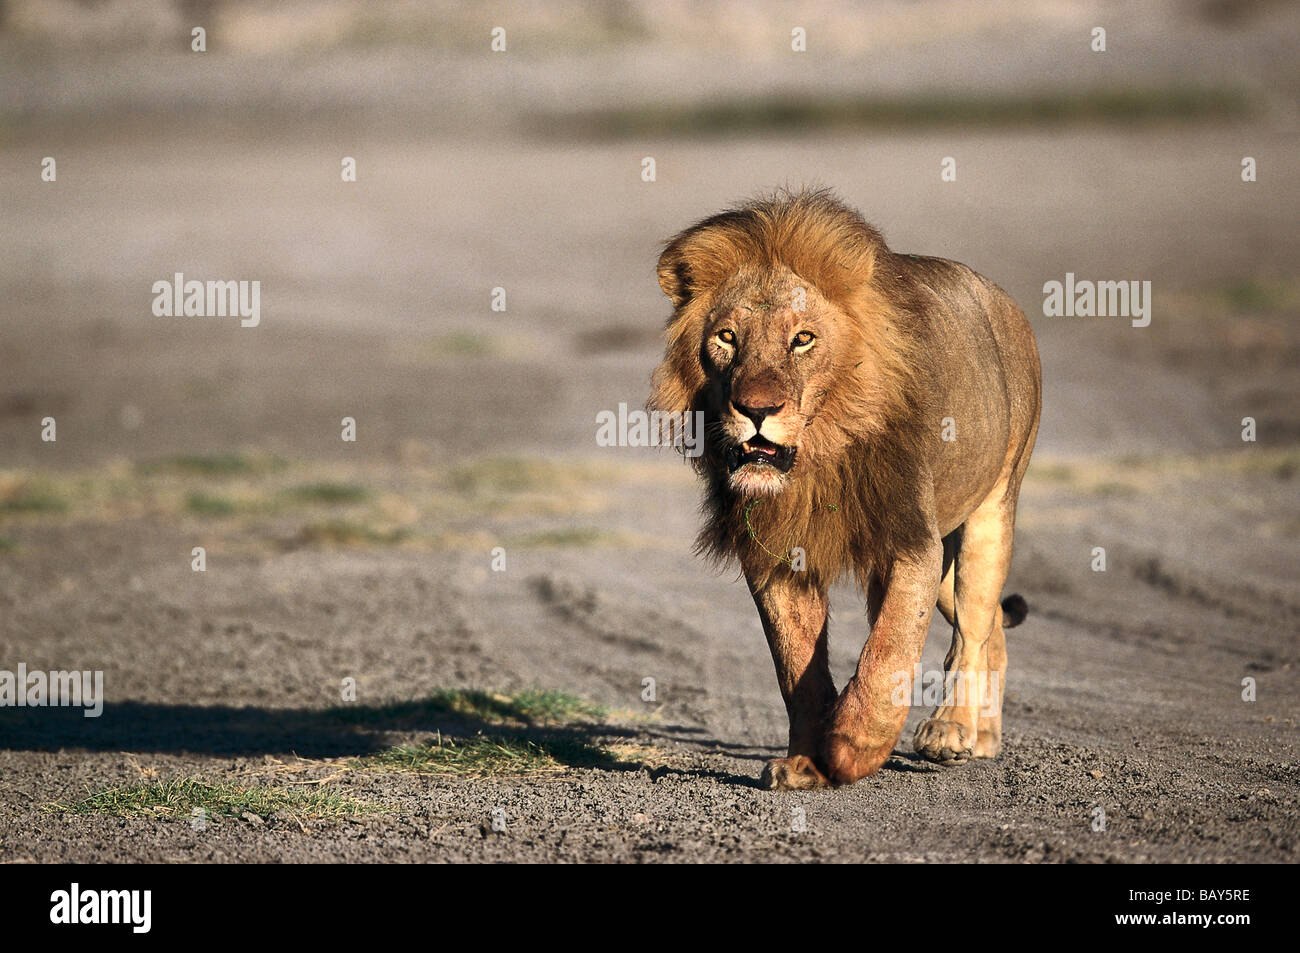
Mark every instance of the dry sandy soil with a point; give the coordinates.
(476, 429)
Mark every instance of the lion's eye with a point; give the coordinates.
(802, 341)
(727, 336)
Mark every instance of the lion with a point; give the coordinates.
(867, 414)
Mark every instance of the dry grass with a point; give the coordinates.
(495, 755)
(256, 496)
(1129, 475)
(193, 797)
(793, 114)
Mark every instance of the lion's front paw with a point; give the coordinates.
(848, 760)
(792, 774)
(944, 742)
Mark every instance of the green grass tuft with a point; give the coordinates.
(462, 344)
(921, 110)
(328, 492)
(515, 751)
(558, 538)
(206, 504)
(347, 533)
(1260, 296)
(509, 475)
(181, 796)
(34, 496)
(214, 464)
(493, 755)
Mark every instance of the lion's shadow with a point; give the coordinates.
(352, 731)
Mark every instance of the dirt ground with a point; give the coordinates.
(476, 430)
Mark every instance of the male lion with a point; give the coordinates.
(866, 412)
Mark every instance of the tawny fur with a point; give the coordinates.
(827, 369)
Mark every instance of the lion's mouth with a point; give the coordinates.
(762, 452)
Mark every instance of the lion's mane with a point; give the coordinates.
(853, 497)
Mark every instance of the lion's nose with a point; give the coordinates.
(756, 414)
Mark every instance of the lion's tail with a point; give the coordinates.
(1014, 610)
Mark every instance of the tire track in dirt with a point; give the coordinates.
(592, 612)
(1236, 600)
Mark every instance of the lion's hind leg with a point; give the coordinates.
(969, 722)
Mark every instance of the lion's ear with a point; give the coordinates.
(675, 274)
(703, 256)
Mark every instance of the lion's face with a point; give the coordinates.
(782, 335)
(769, 354)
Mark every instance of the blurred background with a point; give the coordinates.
(522, 170)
